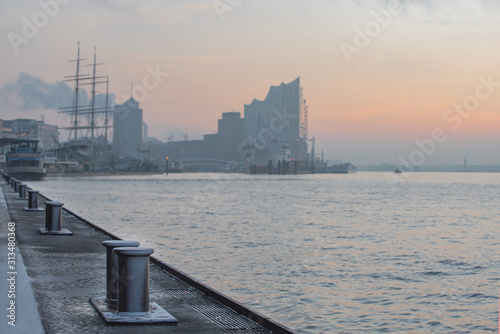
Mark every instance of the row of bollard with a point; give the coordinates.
(53, 210)
(22, 189)
(127, 269)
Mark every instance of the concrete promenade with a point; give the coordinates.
(55, 276)
(27, 319)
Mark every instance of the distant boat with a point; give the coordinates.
(345, 168)
(398, 171)
(24, 161)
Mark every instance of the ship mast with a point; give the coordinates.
(76, 78)
(106, 115)
(92, 106)
(92, 122)
(77, 88)
(77, 110)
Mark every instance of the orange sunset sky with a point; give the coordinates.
(421, 58)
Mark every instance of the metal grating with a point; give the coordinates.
(213, 310)
(166, 280)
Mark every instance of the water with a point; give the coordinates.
(318, 253)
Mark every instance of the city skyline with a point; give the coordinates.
(379, 77)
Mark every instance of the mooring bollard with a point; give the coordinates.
(133, 278)
(15, 186)
(112, 265)
(132, 304)
(33, 201)
(22, 191)
(53, 219)
(12, 182)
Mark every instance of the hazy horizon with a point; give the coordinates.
(384, 80)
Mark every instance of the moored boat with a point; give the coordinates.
(24, 161)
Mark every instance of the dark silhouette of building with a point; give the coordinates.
(217, 151)
(223, 145)
(127, 128)
(276, 128)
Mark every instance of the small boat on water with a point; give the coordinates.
(398, 171)
(24, 161)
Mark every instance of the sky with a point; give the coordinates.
(385, 80)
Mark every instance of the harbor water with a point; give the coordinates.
(319, 253)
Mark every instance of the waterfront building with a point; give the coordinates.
(216, 152)
(6, 132)
(128, 128)
(276, 127)
(185, 149)
(223, 145)
(46, 134)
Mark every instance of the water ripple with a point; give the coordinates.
(319, 253)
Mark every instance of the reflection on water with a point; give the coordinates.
(319, 253)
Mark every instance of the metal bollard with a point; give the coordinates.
(22, 191)
(53, 219)
(12, 182)
(112, 265)
(33, 201)
(133, 278)
(15, 186)
(132, 288)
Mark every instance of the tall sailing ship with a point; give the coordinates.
(88, 140)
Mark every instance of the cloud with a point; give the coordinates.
(29, 93)
(155, 11)
(453, 11)
(463, 12)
